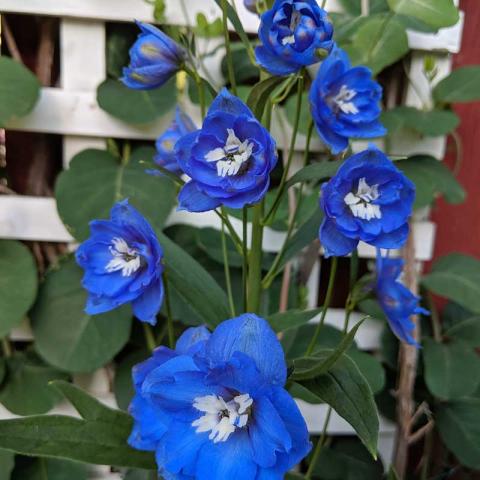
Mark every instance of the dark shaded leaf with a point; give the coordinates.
(462, 85)
(283, 321)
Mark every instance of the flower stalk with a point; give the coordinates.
(255, 261)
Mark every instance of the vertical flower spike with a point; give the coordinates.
(229, 160)
(397, 301)
(154, 59)
(294, 34)
(181, 126)
(215, 408)
(122, 260)
(368, 199)
(345, 102)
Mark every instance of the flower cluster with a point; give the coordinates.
(216, 408)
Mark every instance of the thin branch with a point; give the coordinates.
(10, 40)
(421, 432)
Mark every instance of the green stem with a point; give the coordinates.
(6, 347)
(170, 330)
(273, 272)
(193, 73)
(286, 170)
(231, 71)
(255, 261)
(226, 265)
(319, 446)
(324, 3)
(236, 239)
(328, 299)
(245, 258)
(149, 336)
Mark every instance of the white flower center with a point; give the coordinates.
(124, 258)
(294, 23)
(360, 203)
(343, 100)
(221, 418)
(232, 156)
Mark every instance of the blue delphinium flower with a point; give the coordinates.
(229, 160)
(345, 102)
(294, 34)
(181, 126)
(368, 199)
(122, 260)
(396, 300)
(154, 59)
(215, 408)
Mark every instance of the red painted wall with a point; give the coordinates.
(459, 226)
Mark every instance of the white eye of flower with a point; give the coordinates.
(221, 418)
(343, 100)
(124, 258)
(360, 202)
(232, 156)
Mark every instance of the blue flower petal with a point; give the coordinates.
(192, 199)
(334, 243)
(191, 339)
(225, 102)
(148, 304)
(251, 335)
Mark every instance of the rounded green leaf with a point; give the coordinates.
(68, 338)
(452, 370)
(431, 177)
(436, 13)
(25, 390)
(19, 90)
(379, 42)
(456, 277)
(462, 85)
(459, 426)
(96, 180)
(136, 106)
(467, 331)
(18, 283)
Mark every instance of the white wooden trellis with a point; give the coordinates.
(72, 111)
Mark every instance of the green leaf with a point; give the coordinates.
(122, 383)
(294, 476)
(120, 37)
(353, 7)
(96, 180)
(194, 284)
(58, 436)
(19, 90)
(345, 389)
(436, 13)
(310, 367)
(467, 331)
(136, 474)
(315, 172)
(456, 277)
(305, 113)
(18, 283)
(459, 426)
(65, 336)
(25, 390)
(452, 370)
(136, 106)
(431, 177)
(370, 367)
(432, 123)
(49, 469)
(261, 93)
(378, 43)
(283, 321)
(7, 462)
(347, 459)
(462, 85)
